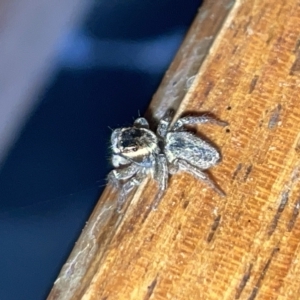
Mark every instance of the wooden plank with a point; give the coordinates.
(198, 245)
(189, 58)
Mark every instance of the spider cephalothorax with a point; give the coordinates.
(138, 151)
(138, 145)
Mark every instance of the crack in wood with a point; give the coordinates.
(280, 209)
(234, 50)
(237, 170)
(210, 85)
(213, 229)
(257, 286)
(295, 69)
(247, 173)
(151, 288)
(274, 117)
(253, 84)
(297, 46)
(297, 148)
(294, 215)
(243, 282)
(185, 204)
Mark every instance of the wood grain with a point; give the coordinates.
(198, 245)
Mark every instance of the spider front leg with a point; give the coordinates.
(134, 177)
(182, 165)
(161, 175)
(164, 124)
(115, 176)
(127, 187)
(196, 120)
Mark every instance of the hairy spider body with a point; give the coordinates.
(186, 146)
(137, 145)
(138, 152)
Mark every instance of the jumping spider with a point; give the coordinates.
(138, 151)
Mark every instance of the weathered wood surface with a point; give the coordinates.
(198, 245)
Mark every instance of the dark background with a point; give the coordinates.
(55, 172)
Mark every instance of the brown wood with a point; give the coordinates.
(198, 245)
(189, 58)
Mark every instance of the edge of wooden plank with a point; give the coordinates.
(104, 222)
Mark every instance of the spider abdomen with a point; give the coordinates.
(186, 146)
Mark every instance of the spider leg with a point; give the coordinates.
(127, 187)
(164, 124)
(182, 165)
(196, 120)
(116, 175)
(161, 175)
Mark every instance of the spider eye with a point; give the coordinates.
(129, 141)
(130, 149)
